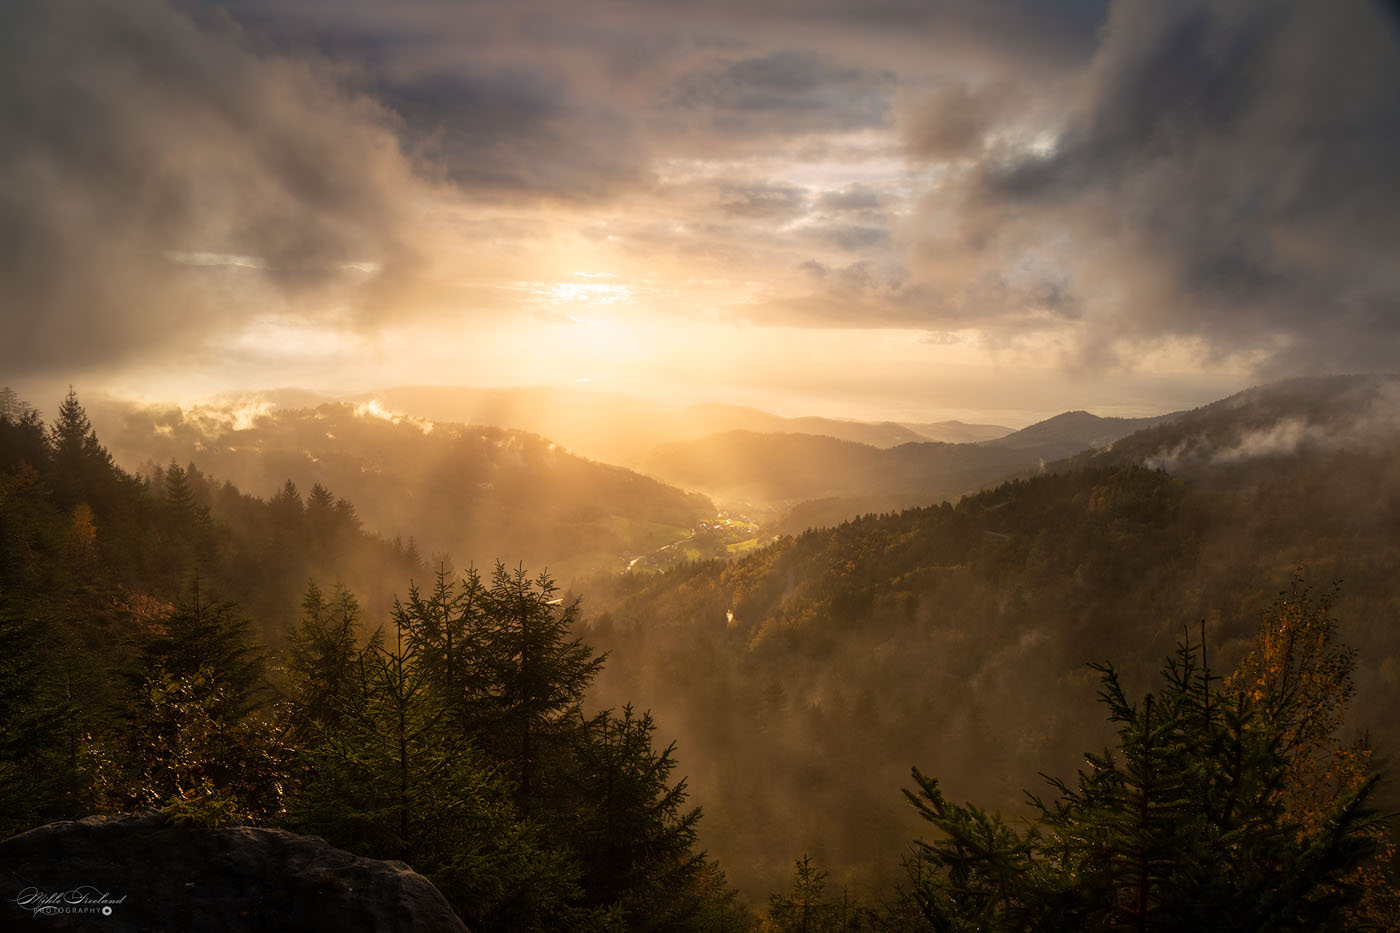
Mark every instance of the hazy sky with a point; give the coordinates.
(861, 207)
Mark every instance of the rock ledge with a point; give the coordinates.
(158, 876)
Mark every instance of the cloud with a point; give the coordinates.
(509, 132)
(854, 238)
(1225, 178)
(854, 197)
(783, 93)
(763, 200)
(162, 175)
(1108, 179)
(956, 120)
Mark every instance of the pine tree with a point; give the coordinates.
(287, 510)
(538, 672)
(323, 522)
(632, 824)
(322, 654)
(451, 632)
(82, 468)
(1183, 826)
(194, 762)
(196, 740)
(41, 771)
(203, 635)
(179, 496)
(22, 438)
(396, 778)
(13, 409)
(803, 909)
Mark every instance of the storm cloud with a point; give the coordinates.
(1226, 176)
(163, 178)
(1094, 181)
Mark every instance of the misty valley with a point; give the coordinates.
(743, 678)
(751, 467)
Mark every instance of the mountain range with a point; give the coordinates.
(952, 635)
(955, 637)
(821, 480)
(473, 493)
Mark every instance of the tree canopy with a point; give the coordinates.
(1207, 815)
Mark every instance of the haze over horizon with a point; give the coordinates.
(882, 211)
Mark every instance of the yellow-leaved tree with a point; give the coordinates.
(1298, 660)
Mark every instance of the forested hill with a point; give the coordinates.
(784, 469)
(450, 732)
(107, 549)
(1358, 416)
(1074, 431)
(824, 480)
(473, 492)
(956, 637)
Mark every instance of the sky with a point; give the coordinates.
(910, 209)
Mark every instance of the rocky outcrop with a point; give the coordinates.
(140, 872)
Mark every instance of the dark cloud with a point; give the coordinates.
(1118, 175)
(1229, 177)
(513, 132)
(956, 120)
(160, 176)
(781, 93)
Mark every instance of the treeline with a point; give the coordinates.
(455, 738)
(956, 636)
(98, 542)
(1226, 803)
(477, 736)
(470, 490)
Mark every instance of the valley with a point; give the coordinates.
(827, 645)
(675, 467)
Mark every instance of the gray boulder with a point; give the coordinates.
(140, 872)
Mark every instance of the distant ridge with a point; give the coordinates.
(1358, 412)
(1073, 431)
(620, 429)
(958, 432)
(821, 480)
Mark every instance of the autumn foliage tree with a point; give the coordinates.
(1212, 812)
(1298, 662)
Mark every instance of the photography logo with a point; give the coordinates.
(84, 899)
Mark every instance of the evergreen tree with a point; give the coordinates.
(203, 636)
(13, 409)
(287, 510)
(179, 496)
(632, 826)
(22, 435)
(803, 909)
(324, 521)
(195, 741)
(194, 762)
(513, 675)
(83, 469)
(1183, 827)
(452, 633)
(538, 672)
(396, 778)
(322, 654)
(41, 771)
